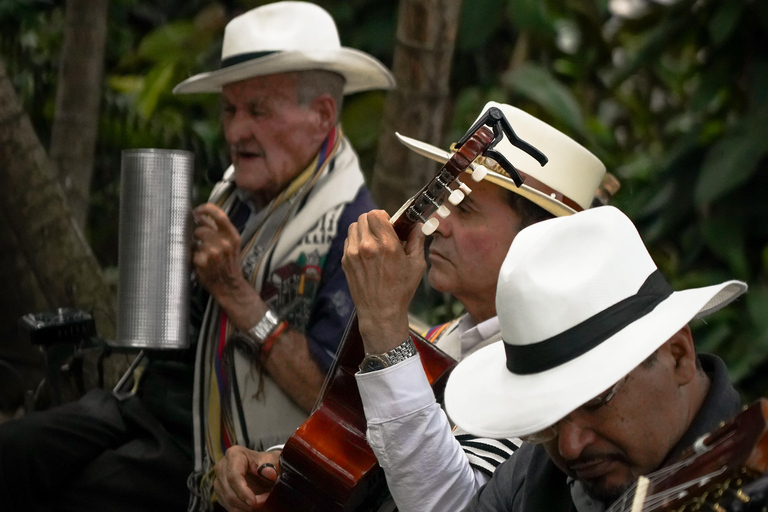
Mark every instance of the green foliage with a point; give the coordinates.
(478, 22)
(541, 86)
(734, 158)
(361, 120)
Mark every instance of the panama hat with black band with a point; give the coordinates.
(284, 37)
(580, 305)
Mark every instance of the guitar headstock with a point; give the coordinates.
(713, 472)
(494, 118)
(480, 139)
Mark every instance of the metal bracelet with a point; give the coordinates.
(264, 327)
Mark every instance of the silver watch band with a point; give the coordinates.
(400, 353)
(264, 327)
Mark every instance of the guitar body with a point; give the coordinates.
(327, 464)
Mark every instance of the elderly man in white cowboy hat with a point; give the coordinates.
(273, 301)
(466, 253)
(282, 79)
(597, 369)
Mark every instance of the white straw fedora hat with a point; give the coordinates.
(565, 185)
(288, 36)
(580, 304)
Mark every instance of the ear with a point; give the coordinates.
(683, 351)
(324, 107)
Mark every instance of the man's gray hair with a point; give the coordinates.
(312, 83)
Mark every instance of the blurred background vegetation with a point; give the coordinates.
(671, 94)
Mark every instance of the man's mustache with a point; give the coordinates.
(243, 147)
(596, 458)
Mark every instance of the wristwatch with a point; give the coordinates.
(403, 351)
(263, 327)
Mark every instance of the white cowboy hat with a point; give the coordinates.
(283, 37)
(580, 304)
(565, 185)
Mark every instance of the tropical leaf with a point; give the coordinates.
(647, 52)
(757, 305)
(533, 16)
(725, 237)
(730, 163)
(540, 86)
(479, 19)
(170, 42)
(126, 84)
(725, 21)
(158, 82)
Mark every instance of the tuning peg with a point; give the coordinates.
(430, 226)
(456, 197)
(738, 494)
(478, 172)
(464, 188)
(443, 212)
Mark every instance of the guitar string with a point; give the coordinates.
(663, 473)
(727, 438)
(653, 478)
(657, 500)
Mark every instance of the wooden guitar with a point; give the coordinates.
(327, 464)
(726, 470)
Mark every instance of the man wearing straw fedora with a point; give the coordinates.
(466, 253)
(431, 470)
(273, 300)
(596, 369)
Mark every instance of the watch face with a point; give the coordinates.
(371, 363)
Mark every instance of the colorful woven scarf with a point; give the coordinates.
(262, 232)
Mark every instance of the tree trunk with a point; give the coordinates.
(20, 295)
(425, 40)
(33, 204)
(78, 94)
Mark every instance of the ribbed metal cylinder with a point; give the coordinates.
(154, 248)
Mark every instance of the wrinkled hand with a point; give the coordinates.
(244, 478)
(217, 263)
(383, 274)
(216, 250)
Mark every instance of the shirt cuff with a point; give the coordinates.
(395, 391)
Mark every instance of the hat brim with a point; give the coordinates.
(550, 204)
(360, 71)
(484, 398)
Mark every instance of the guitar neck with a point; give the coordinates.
(427, 200)
(713, 473)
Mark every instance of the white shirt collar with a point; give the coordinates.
(471, 333)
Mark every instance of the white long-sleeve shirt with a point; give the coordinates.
(426, 467)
